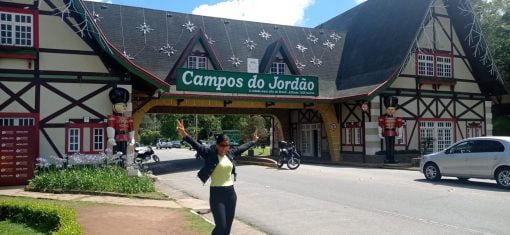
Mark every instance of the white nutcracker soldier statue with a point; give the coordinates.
(120, 129)
(390, 127)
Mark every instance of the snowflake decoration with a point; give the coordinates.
(250, 43)
(312, 38)
(145, 28)
(335, 37)
(96, 16)
(235, 61)
(127, 55)
(301, 48)
(168, 50)
(209, 39)
(329, 44)
(189, 26)
(265, 35)
(300, 65)
(316, 61)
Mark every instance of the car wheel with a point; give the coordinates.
(503, 177)
(463, 179)
(431, 172)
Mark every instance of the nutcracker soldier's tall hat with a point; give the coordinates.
(390, 101)
(119, 95)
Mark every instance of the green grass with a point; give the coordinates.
(259, 152)
(109, 179)
(37, 216)
(197, 224)
(8, 227)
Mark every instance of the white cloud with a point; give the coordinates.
(286, 12)
(360, 1)
(107, 1)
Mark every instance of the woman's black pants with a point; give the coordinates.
(223, 206)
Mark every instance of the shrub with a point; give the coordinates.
(87, 178)
(41, 216)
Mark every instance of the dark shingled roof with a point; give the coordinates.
(380, 34)
(229, 36)
(376, 37)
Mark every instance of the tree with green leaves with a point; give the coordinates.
(494, 16)
(255, 122)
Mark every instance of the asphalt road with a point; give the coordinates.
(345, 200)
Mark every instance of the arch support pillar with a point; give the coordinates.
(332, 128)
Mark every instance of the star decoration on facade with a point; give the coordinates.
(209, 39)
(168, 50)
(300, 65)
(335, 37)
(329, 44)
(145, 28)
(316, 61)
(189, 26)
(96, 16)
(265, 35)
(127, 55)
(235, 61)
(250, 44)
(301, 48)
(312, 38)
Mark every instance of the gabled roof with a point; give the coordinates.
(199, 38)
(228, 38)
(281, 47)
(95, 31)
(380, 35)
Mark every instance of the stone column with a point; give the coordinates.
(488, 118)
(372, 140)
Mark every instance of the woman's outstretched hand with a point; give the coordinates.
(255, 137)
(180, 128)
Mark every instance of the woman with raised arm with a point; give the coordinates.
(219, 166)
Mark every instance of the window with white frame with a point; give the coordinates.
(425, 65)
(197, 62)
(352, 133)
(73, 140)
(16, 29)
(277, 68)
(473, 130)
(444, 66)
(435, 135)
(98, 139)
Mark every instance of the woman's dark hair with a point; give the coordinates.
(221, 137)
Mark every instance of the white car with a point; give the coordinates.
(480, 157)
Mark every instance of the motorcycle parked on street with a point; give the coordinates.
(146, 155)
(289, 155)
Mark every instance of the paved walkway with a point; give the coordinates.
(182, 201)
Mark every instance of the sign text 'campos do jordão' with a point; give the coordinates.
(247, 83)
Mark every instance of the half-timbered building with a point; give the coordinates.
(323, 86)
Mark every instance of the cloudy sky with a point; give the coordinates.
(307, 13)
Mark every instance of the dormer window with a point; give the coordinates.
(197, 62)
(16, 29)
(277, 68)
